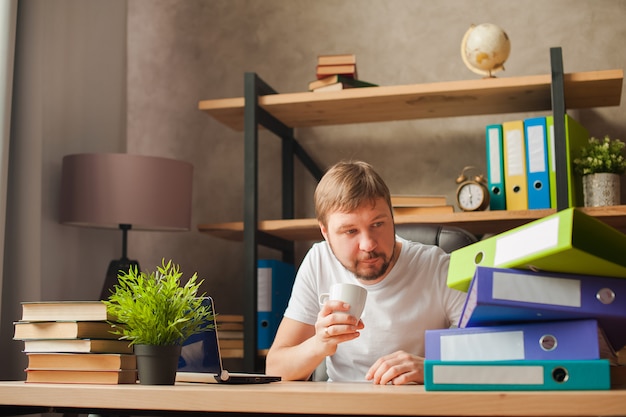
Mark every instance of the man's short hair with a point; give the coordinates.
(346, 186)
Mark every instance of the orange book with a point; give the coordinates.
(63, 330)
(337, 59)
(323, 71)
(65, 310)
(81, 361)
(418, 200)
(82, 377)
(406, 211)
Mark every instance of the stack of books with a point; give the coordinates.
(521, 170)
(543, 310)
(420, 204)
(336, 72)
(230, 334)
(71, 342)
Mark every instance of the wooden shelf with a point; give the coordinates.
(478, 223)
(420, 101)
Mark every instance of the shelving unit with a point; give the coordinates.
(281, 113)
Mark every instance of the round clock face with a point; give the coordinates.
(471, 197)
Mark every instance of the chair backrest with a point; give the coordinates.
(449, 238)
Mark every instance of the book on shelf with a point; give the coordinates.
(65, 310)
(418, 200)
(77, 346)
(323, 71)
(63, 330)
(336, 59)
(332, 87)
(336, 79)
(230, 327)
(230, 334)
(407, 211)
(230, 352)
(81, 361)
(618, 376)
(119, 376)
(228, 318)
(230, 343)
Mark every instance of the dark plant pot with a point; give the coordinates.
(157, 365)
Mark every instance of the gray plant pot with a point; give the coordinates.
(157, 365)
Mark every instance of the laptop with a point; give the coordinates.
(201, 360)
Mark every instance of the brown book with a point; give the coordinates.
(345, 70)
(621, 356)
(618, 375)
(407, 211)
(231, 353)
(229, 326)
(418, 200)
(81, 361)
(63, 330)
(224, 318)
(336, 59)
(231, 343)
(229, 334)
(82, 377)
(77, 346)
(333, 80)
(65, 310)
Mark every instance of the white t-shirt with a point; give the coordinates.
(412, 298)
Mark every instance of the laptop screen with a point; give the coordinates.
(200, 352)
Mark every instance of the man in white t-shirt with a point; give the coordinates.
(405, 281)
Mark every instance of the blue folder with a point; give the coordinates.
(537, 171)
(550, 340)
(501, 295)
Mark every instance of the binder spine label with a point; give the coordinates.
(529, 240)
(536, 289)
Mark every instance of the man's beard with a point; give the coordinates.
(371, 275)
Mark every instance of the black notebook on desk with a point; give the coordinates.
(201, 361)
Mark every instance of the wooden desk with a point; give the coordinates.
(303, 398)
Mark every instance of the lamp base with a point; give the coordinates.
(115, 267)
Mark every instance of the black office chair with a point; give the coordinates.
(449, 238)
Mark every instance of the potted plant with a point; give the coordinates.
(156, 314)
(601, 163)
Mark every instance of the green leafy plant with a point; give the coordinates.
(601, 155)
(155, 309)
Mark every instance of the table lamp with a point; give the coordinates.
(123, 191)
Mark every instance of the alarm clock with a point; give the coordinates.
(472, 193)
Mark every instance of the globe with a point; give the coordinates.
(485, 48)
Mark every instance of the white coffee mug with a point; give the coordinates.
(355, 295)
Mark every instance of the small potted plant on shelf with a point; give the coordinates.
(156, 314)
(601, 163)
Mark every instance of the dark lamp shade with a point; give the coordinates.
(111, 189)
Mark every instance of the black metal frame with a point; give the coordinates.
(254, 116)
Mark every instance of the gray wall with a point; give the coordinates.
(127, 75)
(184, 51)
(69, 97)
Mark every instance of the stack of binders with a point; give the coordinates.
(531, 321)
